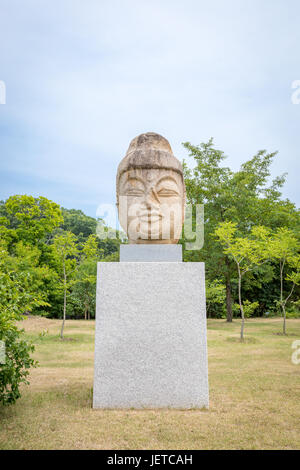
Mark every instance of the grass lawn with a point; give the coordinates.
(254, 395)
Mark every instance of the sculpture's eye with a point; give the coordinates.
(134, 192)
(164, 192)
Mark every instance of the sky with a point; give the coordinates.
(84, 77)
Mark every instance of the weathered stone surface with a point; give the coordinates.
(151, 191)
(151, 253)
(150, 349)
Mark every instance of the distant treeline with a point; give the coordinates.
(54, 251)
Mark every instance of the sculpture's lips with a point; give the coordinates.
(150, 217)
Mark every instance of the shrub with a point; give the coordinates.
(15, 299)
(17, 362)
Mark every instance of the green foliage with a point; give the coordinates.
(81, 225)
(285, 245)
(91, 249)
(84, 289)
(56, 249)
(245, 198)
(112, 257)
(247, 253)
(30, 227)
(215, 298)
(18, 361)
(26, 259)
(294, 309)
(294, 275)
(65, 250)
(31, 219)
(18, 292)
(284, 249)
(249, 308)
(41, 264)
(17, 296)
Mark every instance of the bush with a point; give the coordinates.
(215, 299)
(15, 369)
(15, 299)
(294, 310)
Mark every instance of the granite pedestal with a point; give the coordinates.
(150, 346)
(151, 253)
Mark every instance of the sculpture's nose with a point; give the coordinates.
(151, 199)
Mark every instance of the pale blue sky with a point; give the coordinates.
(83, 77)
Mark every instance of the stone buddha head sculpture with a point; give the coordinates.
(150, 191)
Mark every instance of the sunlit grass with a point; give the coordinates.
(254, 395)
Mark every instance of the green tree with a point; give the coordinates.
(243, 197)
(31, 219)
(90, 249)
(215, 295)
(65, 251)
(247, 253)
(284, 248)
(26, 259)
(84, 289)
(83, 226)
(205, 184)
(80, 224)
(16, 298)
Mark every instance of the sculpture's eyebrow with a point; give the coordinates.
(135, 178)
(166, 178)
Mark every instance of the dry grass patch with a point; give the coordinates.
(254, 396)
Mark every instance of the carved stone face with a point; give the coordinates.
(151, 207)
(150, 191)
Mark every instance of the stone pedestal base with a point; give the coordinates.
(150, 348)
(151, 253)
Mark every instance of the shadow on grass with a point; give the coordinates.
(247, 340)
(55, 338)
(285, 335)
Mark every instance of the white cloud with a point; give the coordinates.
(84, 77)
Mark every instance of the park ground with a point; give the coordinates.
(254, 395)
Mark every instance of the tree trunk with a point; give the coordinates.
(228, 295)
(281, 297)
(241, 305)
(65, 304)
(284, 319)
(208, 312)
